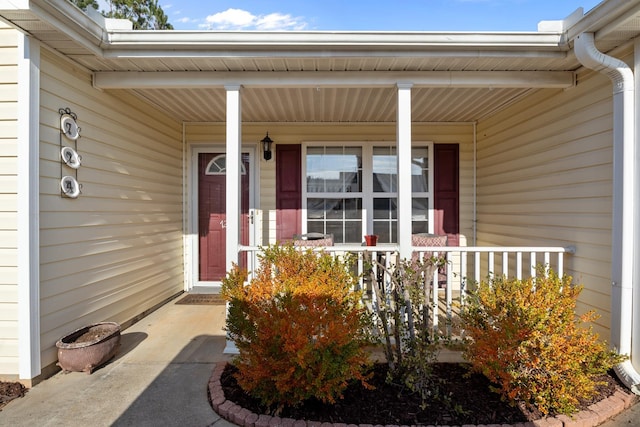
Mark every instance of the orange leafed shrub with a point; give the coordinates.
(298, 325)
(527, 339)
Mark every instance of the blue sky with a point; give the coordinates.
(377, 15)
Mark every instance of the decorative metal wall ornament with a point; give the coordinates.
(69, 127)
(69, 186)
(70, 157)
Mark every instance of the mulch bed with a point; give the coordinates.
(9, 391)
(464, 399)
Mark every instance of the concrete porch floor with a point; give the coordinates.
(158, 377)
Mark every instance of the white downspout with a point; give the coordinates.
(623, 331)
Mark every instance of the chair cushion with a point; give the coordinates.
(313, 239)
(428, 240)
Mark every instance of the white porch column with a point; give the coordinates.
(28, 207)
(403, 132)
(234, 143)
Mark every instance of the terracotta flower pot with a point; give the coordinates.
(88, 348)
(371, 239)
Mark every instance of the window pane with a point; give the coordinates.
(353, 169)
(336, 229)
(315, 227)
(353, 209)
(380, 209)
(419, 227)
(385, 170)
(420, 169)
(334, 208)
(420, 215)
(419, 208)
(387, 231)
(315, 178)
(353, 232)
(334, 169)
(315, 208)
(385, 219)
(385, 208)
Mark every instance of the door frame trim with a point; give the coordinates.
(192, 250)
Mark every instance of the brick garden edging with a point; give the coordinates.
(595, 415)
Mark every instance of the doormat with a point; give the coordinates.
(202, 299)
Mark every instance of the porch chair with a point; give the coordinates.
(427, 239)
(313, 239)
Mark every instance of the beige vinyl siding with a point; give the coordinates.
(297, 133)
(545, 178)
(116, 250)
(8, 202)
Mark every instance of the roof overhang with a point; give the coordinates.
(164, 67)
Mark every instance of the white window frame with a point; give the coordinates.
(366, 195)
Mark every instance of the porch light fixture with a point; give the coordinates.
(266, 147)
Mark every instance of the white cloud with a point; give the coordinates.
(238, 19)
(231, 19)
(278, 21)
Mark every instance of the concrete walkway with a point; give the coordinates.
(158, 378)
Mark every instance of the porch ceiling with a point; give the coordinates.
(85, 41)
(331, 104)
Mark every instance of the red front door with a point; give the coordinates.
(212, 214)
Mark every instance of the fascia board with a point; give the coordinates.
(335, 41)
(255, 79)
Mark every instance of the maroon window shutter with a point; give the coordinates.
(447, 190)
(288, 191)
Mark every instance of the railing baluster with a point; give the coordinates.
(533, 264)
(491, 264)
(519, 265)
(449, 295)
(434, 293)
(360, 271)
(547, 263)
(477, 267)
(505, 263)
(560, 264)
(463, 276)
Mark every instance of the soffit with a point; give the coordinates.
(332, 104)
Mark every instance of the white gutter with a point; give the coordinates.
(623, 236)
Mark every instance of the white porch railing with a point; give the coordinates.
(465, 265)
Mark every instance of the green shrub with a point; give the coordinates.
(298, 325)
(527, 339)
